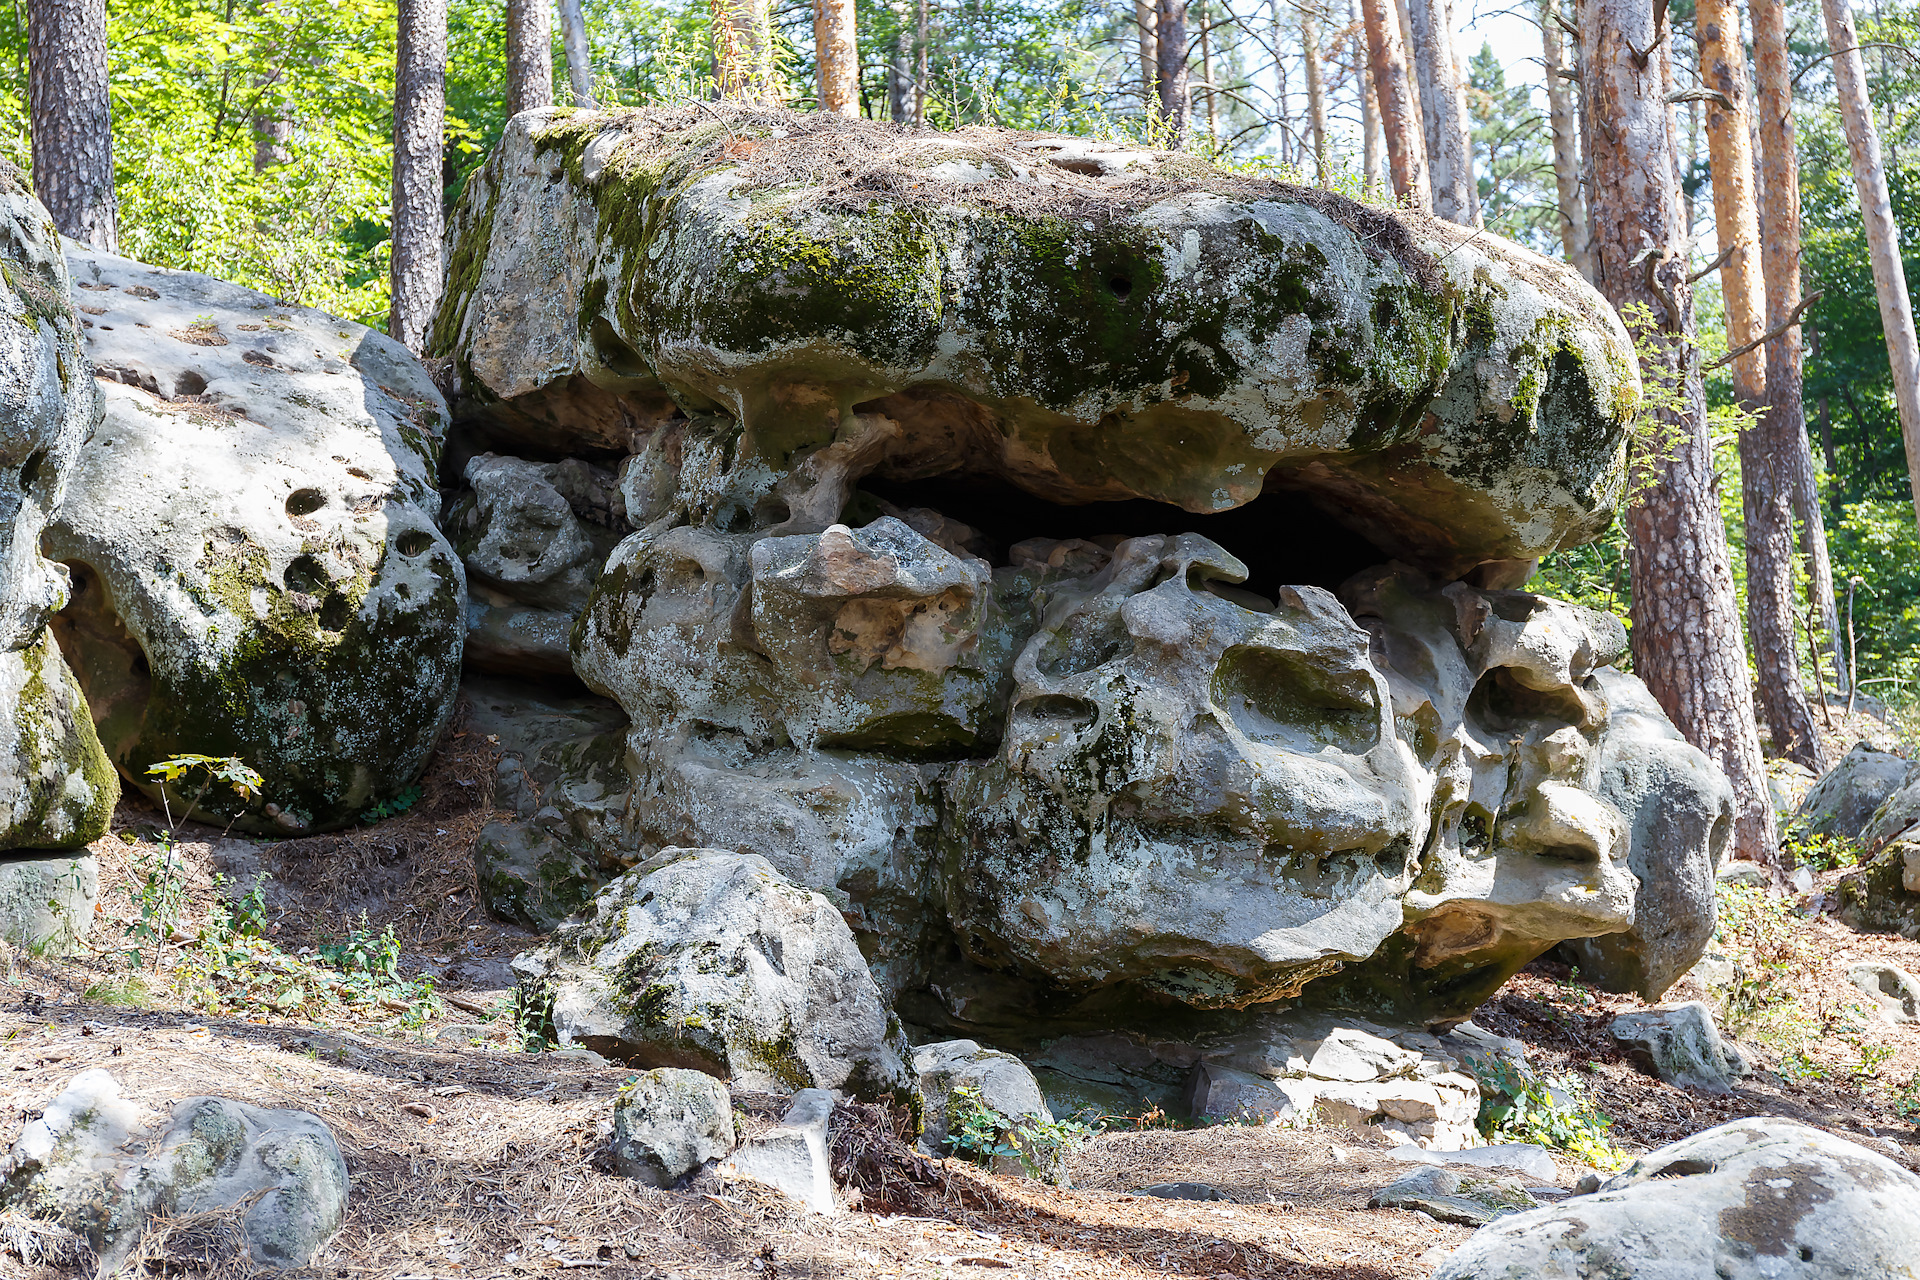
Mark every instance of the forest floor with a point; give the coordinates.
(472, 1157)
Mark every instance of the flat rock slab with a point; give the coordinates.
(1681, 1046)
(1448, 1196)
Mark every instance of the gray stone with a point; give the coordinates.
(668, 1123)
(1681, 1046)
(1748, 874)
(1438, 1112)
(1184, 1191)
(252, 533)
(1755, 1199)
(792, 1157)
(518, 532)
(1217, 1091)
(1002, 1081)
(57, 788)
(1525, 1158)
(1884, 895)
(709, 960)
(1894, 991)
(1355, 1055)
(1845, 800)
(91, 1164)
(463, 1033)
(1679, 810)
(1447, 1196)
(46, 902)
(1788, 782)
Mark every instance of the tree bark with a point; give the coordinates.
(1369, 103)
(1146, 16)
(529, 55)
(1449, 154)
(71, 119)
(1170, 50)
(742, 32)
(1316, 92)
(419, 127)
(836, 54)
(1765, 473)
(1564, 123)
(1206, 75)
(1687, 642)
(573, 36)
(1780, 263)
(1883, 236)
(1399, 111)
(920, 35)
(899, 72)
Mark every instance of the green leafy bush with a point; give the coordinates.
(1519, 1106)
(978, 1132)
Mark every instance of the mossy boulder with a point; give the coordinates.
(257, 570)
(56, 790)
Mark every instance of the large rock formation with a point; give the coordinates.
(1090, 571)
(257, 568)
(57, 789)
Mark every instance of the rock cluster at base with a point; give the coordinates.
(1755, 1199)
(252, 534)
(1846, 799)
(93, 1164)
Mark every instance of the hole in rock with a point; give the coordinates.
(336, 613)
(413, 542)
(1282, 537)
(30, 469)
(306, 574)
(189, 383)
(1502, 703)
(108, 662)
(304, 502)
(1121, 286)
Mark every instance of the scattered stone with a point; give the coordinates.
(46, 902)
(462, 1033)
(668, 1123)
(1894, 991)
(792, 1158)
(1217, 1091)
(1755, 1199)
(1788, 782)
(1750, 875)
(1681, 1046)
(1184, 1191)
(253, 536)
(1526, 1158)
(1845, 800)
(711, 960)
(1354, 1056)
(1884, 895)
(1004, 1083)
(57, 787)
(1434, 1113)
(91, 1164)
(1447, 1196)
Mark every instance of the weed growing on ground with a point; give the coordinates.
(978, 1132)
(1776, 957)
(1518, 1106)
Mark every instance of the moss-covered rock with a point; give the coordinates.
(1127, 325)
(257, 570)
(57, 787)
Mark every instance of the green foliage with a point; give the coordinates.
(977, 1132)
(1823, 851)
(1518, 1106)
(158, 895)
(230, 772)
(364, 951)
(405, 800)
(1512, 162)
(1774, 953)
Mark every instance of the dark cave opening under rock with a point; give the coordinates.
(1283, 537)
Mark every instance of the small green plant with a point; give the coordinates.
(400, 803)
(231, 771)
(1823, 851)
(1517, 1106)
(364, 951)
(159, 898)
(978, 1132)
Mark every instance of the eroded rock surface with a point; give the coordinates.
(252, 535)
(57, 789)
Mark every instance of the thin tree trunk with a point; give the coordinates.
(1564, 124)
(1206, 75)
(836, 53)
(1276, 29)
(899, 73)
(71, 118)
(1883, 237)
(1146, 17)
(1686, 626)
(1316, 92)
(1369, 102)
(742, 33)
(1399, 110)
(529, 55)
(419, 125)
(272, 131)
(1765, 473)
(573, 35)
(1449, 155)
(920, 33)
(1780, 261)
(1170, 47)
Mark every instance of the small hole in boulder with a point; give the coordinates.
(304, 502)
(1121, 286)
(335, 614)
(30, 469)
(413, 542)
(306, 574)
(189, 383)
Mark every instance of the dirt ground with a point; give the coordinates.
(472, 1157)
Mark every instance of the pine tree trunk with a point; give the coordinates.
(920, 38)
(742, 32)
(419, 125)
(71, 118)
(1449, 155)
(1883, 236)
(1764, 472)
(1206, 75)
(1316, 92)
(529, 56)
(1780, 263)
(1686, 627)
(1369, 103)
(1399, 111)
(573, 36)
(1564, 123)
(1146, 17)
(836, 53)
(1170, 48)
(899, 72)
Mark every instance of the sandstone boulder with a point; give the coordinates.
(1681, 1046)
(1754, 1199)
(57, 789)
(792, 1157)
(1446, 1195)
(47, 901)
(668, 1123)
(711, 961)
(1884, 895)
(1846, 798)
(257, 568)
